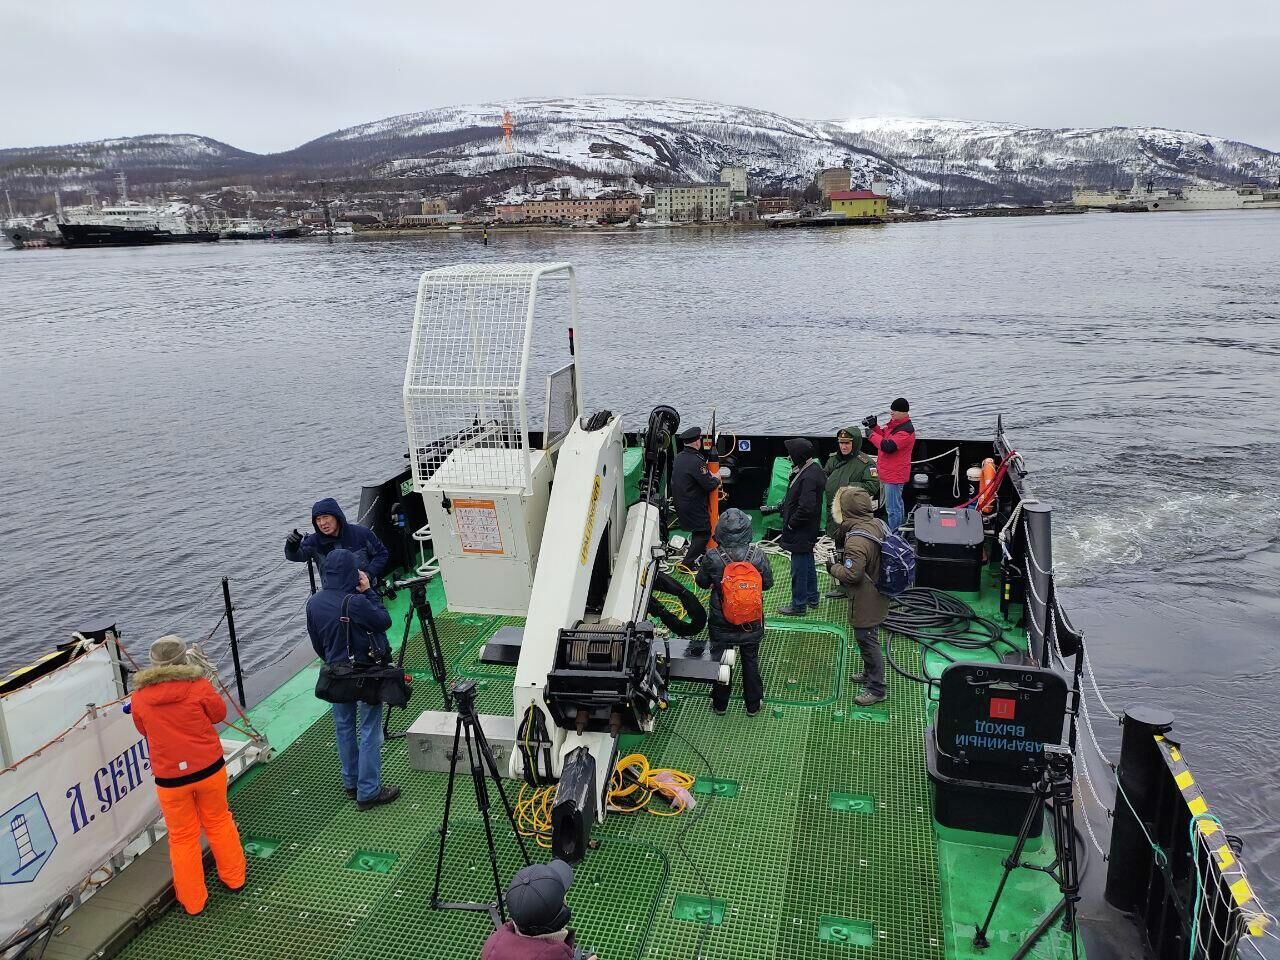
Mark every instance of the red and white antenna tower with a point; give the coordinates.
(508, 124)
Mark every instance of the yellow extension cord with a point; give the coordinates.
(533, 805)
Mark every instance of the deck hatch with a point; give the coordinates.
(260, 847)
(716, 787)
(372, 861)
(842, 930)
(852, 802)
(698, 909)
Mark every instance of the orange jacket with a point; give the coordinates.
(176, 708)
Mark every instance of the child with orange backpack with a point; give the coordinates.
(737, 573)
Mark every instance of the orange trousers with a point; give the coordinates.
(186, 809)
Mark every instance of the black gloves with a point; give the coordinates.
(870, 422)
(293, 541)
(767, 510)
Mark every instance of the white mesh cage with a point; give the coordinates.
(464, 387)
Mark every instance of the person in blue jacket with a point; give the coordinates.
(332, 531)
(347, 623)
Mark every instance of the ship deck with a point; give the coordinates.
(822, 846)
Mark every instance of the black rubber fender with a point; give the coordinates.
(694, 611)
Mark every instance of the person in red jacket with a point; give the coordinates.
(894, 442)
(175, 707)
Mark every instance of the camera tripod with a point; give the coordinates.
(1055, 783)
(481, 760)
(419, 604)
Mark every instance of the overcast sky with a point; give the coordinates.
(270, 74)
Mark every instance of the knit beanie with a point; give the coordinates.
(169, 651)
(900, 405)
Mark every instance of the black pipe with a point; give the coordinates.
(1039, 547)
(231, 633)
(1131, 858)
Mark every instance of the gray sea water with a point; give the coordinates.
(169, 414)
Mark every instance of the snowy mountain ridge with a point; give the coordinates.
(636, 142)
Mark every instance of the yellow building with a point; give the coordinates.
(859, 203)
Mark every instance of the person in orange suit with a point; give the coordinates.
(175, 707)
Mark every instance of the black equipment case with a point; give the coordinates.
(948, 548)
(985, 749)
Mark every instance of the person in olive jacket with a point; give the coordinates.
(857, 567)
(847, 467)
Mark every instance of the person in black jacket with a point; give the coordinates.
(733, 543)
(691, 484)
(801, 524)
(347, 623)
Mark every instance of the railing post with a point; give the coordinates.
(231, 634)
(1130, 861)
(1039, 546)
(311, 574)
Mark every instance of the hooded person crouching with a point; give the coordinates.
(333, 530)
(801, 524)
(347, 623)
(539, 924)
(733, 545)
(176, 708)
(857, 567)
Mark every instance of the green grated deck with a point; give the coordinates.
(788, 860)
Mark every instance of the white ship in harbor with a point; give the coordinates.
(1139, 198)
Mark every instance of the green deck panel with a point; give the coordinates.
(788, 867)
(632, 468)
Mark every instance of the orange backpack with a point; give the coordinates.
(742, 593)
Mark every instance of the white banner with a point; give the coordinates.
(28, 719)
(70, 809)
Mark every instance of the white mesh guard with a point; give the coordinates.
(464, 387)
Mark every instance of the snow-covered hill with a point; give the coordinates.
(627, 139)
(1038, 160)
(597, 142)
(150, 160)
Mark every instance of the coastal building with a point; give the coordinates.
(767, 205)
(832, 180)
(555, 208)
(859, 203)
(736, 178)
(692, 202)
(431, 219)
(435, 205)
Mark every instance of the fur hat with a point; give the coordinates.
(170, 650)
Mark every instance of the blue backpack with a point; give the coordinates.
(897, 561)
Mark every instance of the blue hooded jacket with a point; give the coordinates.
(371, 555)
(368, 619)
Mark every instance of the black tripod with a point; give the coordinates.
(481, 759)
(419, 604)
(1055, 783)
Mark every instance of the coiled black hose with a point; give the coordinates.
(693, 610)
(930, 617)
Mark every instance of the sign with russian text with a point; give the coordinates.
(478, 529)
(67, 810)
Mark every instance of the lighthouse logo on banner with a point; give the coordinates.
(26, 841)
